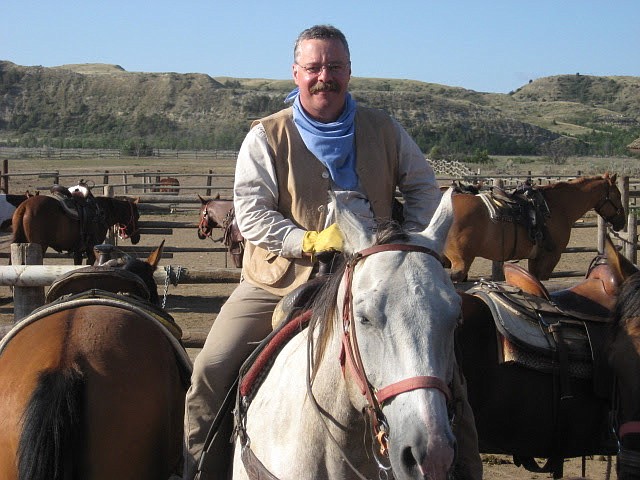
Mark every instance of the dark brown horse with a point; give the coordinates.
(42, 219)
(92, 386)
(553, 399)
(218, 213)
(475, 234)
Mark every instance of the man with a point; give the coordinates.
(286, 166)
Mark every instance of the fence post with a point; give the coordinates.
(5, 176)
(209, 179)
(124, 181)
(623, 186)
(112, 238)
(105, 178)
(630, 246)
(26, 299)
(602, 232)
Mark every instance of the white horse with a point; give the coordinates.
(382, 344)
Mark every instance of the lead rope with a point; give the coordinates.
(167, 280)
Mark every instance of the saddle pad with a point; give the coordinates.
(529, 329)
(499, 210)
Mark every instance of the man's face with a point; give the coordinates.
(323, 83)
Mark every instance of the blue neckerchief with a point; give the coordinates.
(332, 143)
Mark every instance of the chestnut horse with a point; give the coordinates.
(168, 185)
(561, 408)
(218, 213)
(42, 219)
(475, 234)
(92, 385)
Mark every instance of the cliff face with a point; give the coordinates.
(106, 103)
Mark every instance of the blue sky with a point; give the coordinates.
(488, 46)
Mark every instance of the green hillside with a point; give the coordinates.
(104, 106)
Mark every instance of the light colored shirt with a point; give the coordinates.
(256, 194)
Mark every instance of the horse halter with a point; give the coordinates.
(607, 201)
(350, 353)
(203, 226)
(122, 229)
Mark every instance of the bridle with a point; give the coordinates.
(203, 226)
(350, 354)
(122, 228)
(607, 201)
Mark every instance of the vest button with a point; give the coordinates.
(325, 174)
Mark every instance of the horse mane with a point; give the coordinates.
(324, 306)
(574, 181)
(627, 307)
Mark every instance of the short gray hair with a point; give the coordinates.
(320, 32)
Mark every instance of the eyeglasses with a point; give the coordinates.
(332, 68)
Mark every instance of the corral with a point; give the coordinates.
(175, 217)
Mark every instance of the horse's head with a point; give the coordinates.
(610, 205)
(128, 217)
(204, 229)
(624, 359)
(143, 269)
(396, 313)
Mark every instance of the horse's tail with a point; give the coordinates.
(52, 427)
(17, 225)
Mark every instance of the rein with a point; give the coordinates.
(122, 229)
(350, 354)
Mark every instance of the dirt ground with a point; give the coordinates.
(196, 306)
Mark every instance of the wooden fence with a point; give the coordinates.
(27, 278)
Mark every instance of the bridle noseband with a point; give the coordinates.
(607, 201)
(350, 354)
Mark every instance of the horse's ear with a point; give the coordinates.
(217, 197)
(614, 177)
(441, 222)
(619, 264)
(202, 200)
(155, 256)
(356, 235)
(136, 200)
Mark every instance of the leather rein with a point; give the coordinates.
(350, 354)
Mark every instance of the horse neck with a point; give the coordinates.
(112, 209)
(575, 198)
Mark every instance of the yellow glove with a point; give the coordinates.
(328, 239)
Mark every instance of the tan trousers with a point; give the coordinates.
(243, 321)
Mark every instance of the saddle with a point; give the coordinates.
(524, 206)
(83, 209)
(232, 238)
(561, 332)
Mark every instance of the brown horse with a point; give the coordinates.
(475, 234)
(217, 213)
(168, 185)
(92, 386)
(553, 401)
(42, 219)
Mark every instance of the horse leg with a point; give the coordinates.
(77, 258)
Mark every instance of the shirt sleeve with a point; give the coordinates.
(417, 183)
(255, 198)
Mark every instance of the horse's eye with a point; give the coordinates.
(365, 321)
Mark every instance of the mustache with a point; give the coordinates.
(329, 86)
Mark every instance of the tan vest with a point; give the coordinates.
(304, 184)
